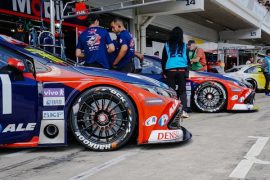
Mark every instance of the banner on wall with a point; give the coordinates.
(31, 9)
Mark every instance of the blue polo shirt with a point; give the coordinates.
(125, 38)
(94, 41)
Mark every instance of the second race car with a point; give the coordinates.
(207, 92)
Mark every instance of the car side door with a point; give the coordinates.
(18, 98)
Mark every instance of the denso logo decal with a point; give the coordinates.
(166, 135)
(151, 121)
(163, 120)
(19, 128)
(173, 108)
(53, 114)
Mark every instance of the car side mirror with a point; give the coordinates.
(16, 63)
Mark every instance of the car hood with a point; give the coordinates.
(125, 77)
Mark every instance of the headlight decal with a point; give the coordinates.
(153, 101)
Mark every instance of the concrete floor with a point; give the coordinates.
(220, 142)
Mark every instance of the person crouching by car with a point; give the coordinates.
(175, 62)
(94, 44)
(266, 71)
(197, 57)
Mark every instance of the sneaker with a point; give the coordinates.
(184, 114)
(267, 94)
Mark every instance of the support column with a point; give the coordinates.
(143, 33)
(52, 20)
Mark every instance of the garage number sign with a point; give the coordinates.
(191, 2)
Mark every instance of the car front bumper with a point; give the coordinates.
(175, 132)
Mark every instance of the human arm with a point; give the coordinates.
(79, 53)
(111, 48)
(122, 53)
(110, 45)
(124, 42)
(200, 57)
(139, 55)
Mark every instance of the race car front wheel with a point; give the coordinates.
(210, 97)
(253, 83)
(103, 118)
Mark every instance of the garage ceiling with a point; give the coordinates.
(216, 17)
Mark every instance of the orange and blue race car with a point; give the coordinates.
(42, 97)
(207, 92)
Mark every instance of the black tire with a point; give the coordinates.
(210, 97)
(253, 83)
(103, 118)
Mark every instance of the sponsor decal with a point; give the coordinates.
(248, 93)
(53, 97)
(53, 114)
(173, 108)
(32, 7)
(235, 97)
(53, 101)
(18, 128)
(118, 95)
(241, 99)
(163, 120)
(91, 144)
(151, 121)
(188, 86)
(53, 92)
(166, 135)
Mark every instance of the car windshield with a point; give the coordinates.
(235, 69)
(49, 56)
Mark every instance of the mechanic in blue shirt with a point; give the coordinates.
(124, 60)
(94, 44)
(266, 71)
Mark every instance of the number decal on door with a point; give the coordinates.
(6, 94)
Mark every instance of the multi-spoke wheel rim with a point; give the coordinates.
(210, 98)
(102, 118)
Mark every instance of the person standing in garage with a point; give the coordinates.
(124, 60)
(266, 71)
(175, 63)
(94, 44)
(197, 57)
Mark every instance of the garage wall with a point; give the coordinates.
(190, 28)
